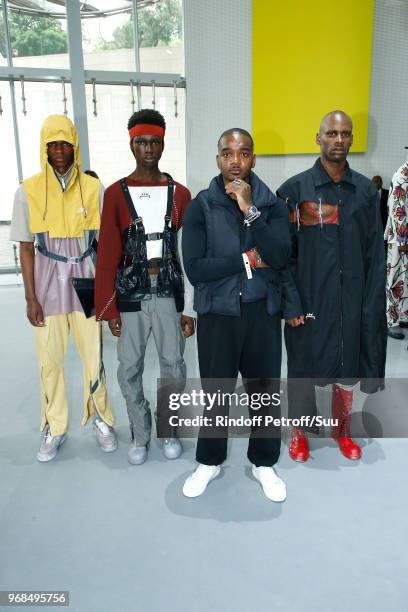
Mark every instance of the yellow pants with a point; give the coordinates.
(51, 343)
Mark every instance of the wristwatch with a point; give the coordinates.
(252, 210)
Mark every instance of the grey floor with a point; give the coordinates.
(123, 538)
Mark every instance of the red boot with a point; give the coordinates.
(299, 446)
(342, 404)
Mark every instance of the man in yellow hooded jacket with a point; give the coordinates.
(56, 217)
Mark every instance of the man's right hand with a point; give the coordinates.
(115, 325)
(35, 313)
(296, 321)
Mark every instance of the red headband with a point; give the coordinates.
(144, 129)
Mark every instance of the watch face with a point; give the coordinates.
(253, 209)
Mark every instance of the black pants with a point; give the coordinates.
(250, 344)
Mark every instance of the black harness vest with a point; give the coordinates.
(132, 279)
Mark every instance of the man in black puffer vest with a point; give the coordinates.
(235, 242)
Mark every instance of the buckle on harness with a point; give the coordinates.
(154, 236)
(73, 260)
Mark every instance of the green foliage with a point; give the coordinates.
(2, 37)
(33, 35)
(122, 38)
(159, 24)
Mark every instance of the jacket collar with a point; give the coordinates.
(320, 176)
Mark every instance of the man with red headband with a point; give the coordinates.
(139, 286)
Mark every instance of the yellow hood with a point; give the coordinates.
(58, 127)
(64, 214)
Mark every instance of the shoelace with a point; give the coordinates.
(48, 437)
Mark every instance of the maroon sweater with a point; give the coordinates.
(115, 219)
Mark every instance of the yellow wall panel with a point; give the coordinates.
(309, 57)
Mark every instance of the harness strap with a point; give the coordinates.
(133, 214)
(170, 198)
(71, 260)
(132, 210)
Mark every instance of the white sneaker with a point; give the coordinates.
(50, 446)
(196, 484)
(105, 436)
(273, 486)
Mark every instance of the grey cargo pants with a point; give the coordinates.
(160, 317)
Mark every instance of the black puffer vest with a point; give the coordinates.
(227, 236)
(133, 283)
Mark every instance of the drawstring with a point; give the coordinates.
(46, 192)
(80, 189)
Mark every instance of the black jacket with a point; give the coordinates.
(339, 272)
(214, 238)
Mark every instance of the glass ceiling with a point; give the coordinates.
(95, 8)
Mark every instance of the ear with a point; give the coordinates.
(253, 161)
(352, 136)
(131, 147)
(318, 138)
(162, 149)
(218, 161)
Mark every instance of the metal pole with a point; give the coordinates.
(12, 91)
(76, 60)
(7, 33)
(137, 53)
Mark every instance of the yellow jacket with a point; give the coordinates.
(64, 214)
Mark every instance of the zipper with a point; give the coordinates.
(242, 230)
(105, 308)
(341, 318)
(341, 290)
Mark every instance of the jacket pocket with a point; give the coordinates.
(202, 298)
(274, 298)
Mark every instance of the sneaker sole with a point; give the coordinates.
(137, 462)
(109, 449)
(45, 458)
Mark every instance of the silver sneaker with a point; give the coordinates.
(137, 454)
(50, 446)
(172, 448)
(105, 435)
